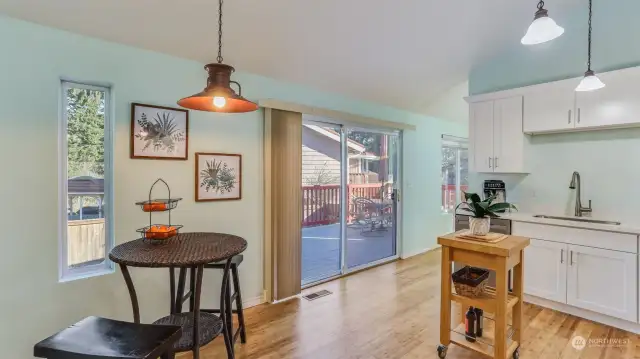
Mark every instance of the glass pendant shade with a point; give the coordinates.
(590, 82)
(542, 29)
(218, 96)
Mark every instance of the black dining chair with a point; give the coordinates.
(99, 338)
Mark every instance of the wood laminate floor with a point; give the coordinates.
(392, 311)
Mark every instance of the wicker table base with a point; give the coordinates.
(210, 328)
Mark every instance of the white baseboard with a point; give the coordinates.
(583, 313)
(406, 256)
(252, 302)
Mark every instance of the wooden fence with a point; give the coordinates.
(85, 241)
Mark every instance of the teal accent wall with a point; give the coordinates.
(32, 62)
(615, 46)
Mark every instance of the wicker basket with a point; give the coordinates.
(470, 281)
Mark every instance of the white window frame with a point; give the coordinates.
(65, 273)
(460, 144)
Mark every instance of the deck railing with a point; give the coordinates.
(321, 204)
(449, 196)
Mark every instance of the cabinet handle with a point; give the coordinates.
(571, 257)
(495, 162)
(569, 117)
(578, 115)
(489, 162)
(562, 256)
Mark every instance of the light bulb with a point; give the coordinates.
(542, 29)
(590, 82)
(219, 102)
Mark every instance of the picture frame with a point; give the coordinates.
(218, 177)
(159, 132)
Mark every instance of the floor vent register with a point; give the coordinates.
(316, 295)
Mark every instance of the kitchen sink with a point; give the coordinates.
(613, 223)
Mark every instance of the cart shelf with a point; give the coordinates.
(486, 342)
(486, 302)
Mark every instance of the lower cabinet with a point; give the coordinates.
(545, 274)
(603, 281)
(600, 280)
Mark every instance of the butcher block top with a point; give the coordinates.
(505, 248)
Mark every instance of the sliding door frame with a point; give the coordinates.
(344, 196)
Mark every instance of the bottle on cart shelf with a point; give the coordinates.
(479, 321)
(470, 325)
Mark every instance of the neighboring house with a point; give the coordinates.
(321, 158)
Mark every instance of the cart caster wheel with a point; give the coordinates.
(516, 354)
(442, 351)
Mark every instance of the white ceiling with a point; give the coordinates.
(395, 52)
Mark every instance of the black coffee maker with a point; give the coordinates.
(497, 188)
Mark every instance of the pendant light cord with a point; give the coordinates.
(589, 48)
(220, 32)
(540, 5)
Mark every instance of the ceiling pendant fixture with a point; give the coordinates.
(590, 81)
(542, 29)
(218, 96)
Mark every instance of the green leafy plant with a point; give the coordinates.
(479, 208)
(163, 133)
(217, 177)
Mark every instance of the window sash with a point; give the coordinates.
(65, 272)
(458, 144)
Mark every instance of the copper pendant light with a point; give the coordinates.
(218, 96)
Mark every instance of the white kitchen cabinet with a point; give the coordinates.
(616, 105)
(603, 281)
(495, 136)
(508, 139)
(481, 135)
(550, 107)
(545, 273)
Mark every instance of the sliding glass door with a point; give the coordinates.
(372, 192)
(350, 181)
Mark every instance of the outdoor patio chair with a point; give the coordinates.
(366, 214)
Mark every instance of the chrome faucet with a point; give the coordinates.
(575, 183)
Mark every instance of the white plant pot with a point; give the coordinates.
(479, 226)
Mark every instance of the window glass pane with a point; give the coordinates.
(455, 171)
(85, 141)
(464, 170)
(448, 178)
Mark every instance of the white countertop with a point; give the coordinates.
(529, 218)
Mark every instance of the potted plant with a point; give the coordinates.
(481, 212)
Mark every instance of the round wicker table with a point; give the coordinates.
(185, 251)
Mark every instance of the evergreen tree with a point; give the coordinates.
(85, 132)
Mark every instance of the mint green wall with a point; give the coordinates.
(598, 156)
(33, 60)
(615, 46)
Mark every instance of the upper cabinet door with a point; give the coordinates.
(603, 281)
(618, 104)
(481, 136)
(550, 107)
(508, 140)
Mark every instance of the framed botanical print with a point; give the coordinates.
(218, 177)
(159, 132)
